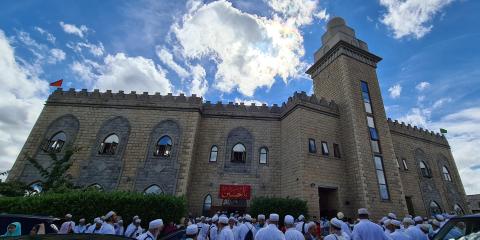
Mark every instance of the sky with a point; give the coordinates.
(242, 51)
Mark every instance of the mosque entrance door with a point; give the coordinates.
(328, 202)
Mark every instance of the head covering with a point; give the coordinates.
(138, 220)
(408, 220)
(68, 215)
(215, 218)
(288, 219)
(395, 223)
(439, 217)
(98, 220)
(335, 222)
(308, 226)
(436, 222)
(383, 219)
(340, 215)
(192, 229)
(408, 216)
(81, 220)
(261, 216)
(135, 217)
(392, 216)
(387, 222)
(109, 214)
(418, 219)
(363, 211)
(273, 217)
(223, 219)
(16, 233)
(248, 218)
(301, 218)
(155, 224)
(424, 227)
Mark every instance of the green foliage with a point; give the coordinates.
(91, 204)
(14, 189)
(55, 175)
(281, 206)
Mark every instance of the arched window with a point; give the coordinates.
(95, 186)
(435, 208)
(239, 153)
(446, 174)
(164, 147)
(425, 170)
(263, 155)
(207, 205)
(458, 210)
(154, 189)
(55, 143)
(213, 154)
(36, 188)
(109, 145)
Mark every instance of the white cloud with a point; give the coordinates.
(422, 86)
(250, 51)
(72, 29)
(21, 99)
(421, 98)
(96, 50)
(411, 17)
(249, 101)
(199, 84)
(297, 12)
(440, 102)
(395, 91)
(56, 55)
(167, 58)
(49, 36)
(322, 14)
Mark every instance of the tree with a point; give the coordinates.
(55, 175)
(14, 189)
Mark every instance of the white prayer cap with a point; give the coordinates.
(340, 215)
(301, 218)
(273, 217)
(109, 214)
(335, 222)
(386, 222)
(418, 219)
(138, 220)
(288, 219)
(392, 216)
(439, 217)
(408, 220)
(408, 216)
(261, 216)
(248, 218)
(395, 223)
(135, 217)
(120, 221)
(436, 222)
(82, 220)
(68, 215)
(424, 227)
(215, 218)
(155, 224)
(308, 226)
(363, 211)
(223, 220)
(192, 229)
(383, 219)
(98, 220)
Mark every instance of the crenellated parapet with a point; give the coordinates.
(414, 131)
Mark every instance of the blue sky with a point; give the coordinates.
(251, 51)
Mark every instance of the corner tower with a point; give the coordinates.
(345, 71)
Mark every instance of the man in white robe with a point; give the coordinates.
(154, 229)
(413, 231)
(213, 232)
(292, 233)
(68, 226)
(96, 227)
(301, 224)
(225, 232)
(261, 222)
(119, 230)
(245, 228)
(80, 228)
(336, 232)
(367, 230)
(191, 233)
(109, 224)
(345, 227)
(397, 232)
(134, 229)
(270, 232)
(203, 228)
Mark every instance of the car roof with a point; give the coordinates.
(473, 216)
(28, 216)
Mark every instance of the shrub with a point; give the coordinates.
(91, 204)
(281, 206)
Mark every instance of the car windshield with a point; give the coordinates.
(462, 229)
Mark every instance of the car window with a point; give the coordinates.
(463, 230)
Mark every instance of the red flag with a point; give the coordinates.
(56, 83)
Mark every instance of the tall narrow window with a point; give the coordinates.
(109, 145)
(373, 134)
(239, 153)
(153, 189)
(375, 146)
(55, 143)
(382, 182)
(435, 208)
(425, 170)
(325, 148)
(446, 174)
(336, 150)
(164, 147)
(263, 155)
(312, 148)
(207, 205)
(398, 164)
(370, 122)
(213, 154)
(404, 161)
(366, 97)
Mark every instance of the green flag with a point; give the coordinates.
(443, 130)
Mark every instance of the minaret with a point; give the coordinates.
(345, 71)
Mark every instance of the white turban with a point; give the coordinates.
(439, 217)
(436, 222)
(340, 215)
(363, 211)
(98, 220)
(155, 224)
(418, 219)
(215, 218)
(223, 220)
(274, 217)
(68, 215)
(261, 216)
(395, 223)
(335, 222)
(392, 216)
(408, 220)
(192, 229)
(248, 218)
(288, 219)
(109, 214)
(301, 218)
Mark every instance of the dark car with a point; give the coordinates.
(466, 227)
(177, 235)
(28, 222)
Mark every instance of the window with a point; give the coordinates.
(36, 188)
(446, 174)
(312, 147)
(263, 155)
(458, 210)
(239, 153)
(373, 134)
(109, 145)
(425, 170)
(398, 164)
(435, 208)
(164, 147)
(207, 205)
(366, 97)
(405, 167)
(96, 186)
(336, 150)
(55, 143)
(213, 154)
(375, 146)
(325, 148)
(370, 122)
(154, 189)
(382, 182)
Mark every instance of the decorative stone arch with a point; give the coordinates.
(235, 136)
(434, 208)
(458, 209)
(37, 187)
(207, 204)
(453, 195)
(105, 169)
(161, 170)
(428, 188)
(69, 125)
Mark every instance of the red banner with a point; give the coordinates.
(235, 191)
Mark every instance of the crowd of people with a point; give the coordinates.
(245, 227)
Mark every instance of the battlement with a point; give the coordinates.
(408, 129)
